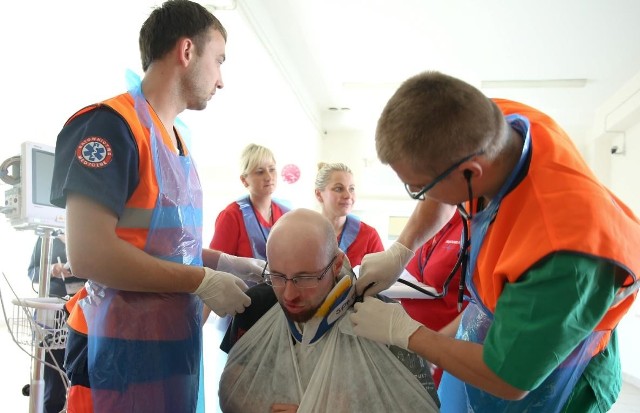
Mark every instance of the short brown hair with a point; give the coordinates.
(170, 22)
(433, 120)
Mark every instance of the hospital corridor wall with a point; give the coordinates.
(380, 196)
(615, 156)
(69, 69)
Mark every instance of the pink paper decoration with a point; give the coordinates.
(290, 173)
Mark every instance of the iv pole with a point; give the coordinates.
(37, 385)
(36, 389)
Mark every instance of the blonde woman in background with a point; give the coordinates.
(242, 228)
(335, 190)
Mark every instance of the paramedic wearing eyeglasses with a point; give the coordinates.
(549, 281)
(302, 354)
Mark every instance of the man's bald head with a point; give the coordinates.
(302, 243)
(302, 232)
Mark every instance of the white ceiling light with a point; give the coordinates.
(533, 83)
(214, 5)
(359, 86)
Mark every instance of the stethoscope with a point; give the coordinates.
(485, 216)
(460, 262)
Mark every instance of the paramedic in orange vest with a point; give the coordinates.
(134, 227)
(552, 262)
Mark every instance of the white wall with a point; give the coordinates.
(51, 69)
(619, 119)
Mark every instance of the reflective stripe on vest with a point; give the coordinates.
(133, 224)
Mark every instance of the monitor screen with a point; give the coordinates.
(42, 169)
(28, 202)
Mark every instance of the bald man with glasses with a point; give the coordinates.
(301, 355)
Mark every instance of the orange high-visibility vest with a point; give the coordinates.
(559, 206)
(133, 224)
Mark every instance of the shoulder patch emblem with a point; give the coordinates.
(94, 152)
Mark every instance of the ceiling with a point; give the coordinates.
(563, 57)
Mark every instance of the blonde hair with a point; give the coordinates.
(252, 156)
(324, 173)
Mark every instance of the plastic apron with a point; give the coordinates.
(256, 232)
(144, 349)
(457, 396)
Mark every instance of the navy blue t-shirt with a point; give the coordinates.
(110, 182)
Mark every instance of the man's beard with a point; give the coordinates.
(301, 317)
(306, 315)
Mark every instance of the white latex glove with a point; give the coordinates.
(248, 269)
(383, 268)
(59, 270)
(385, 323)
(223, 292)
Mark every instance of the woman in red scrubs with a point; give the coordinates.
(336, 192)
(243, 226)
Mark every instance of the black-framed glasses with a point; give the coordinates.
(420, 195)
(301, 281)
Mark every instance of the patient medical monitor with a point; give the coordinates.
(27, 204)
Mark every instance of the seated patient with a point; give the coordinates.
(302, 355)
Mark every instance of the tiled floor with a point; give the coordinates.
(15, 372)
